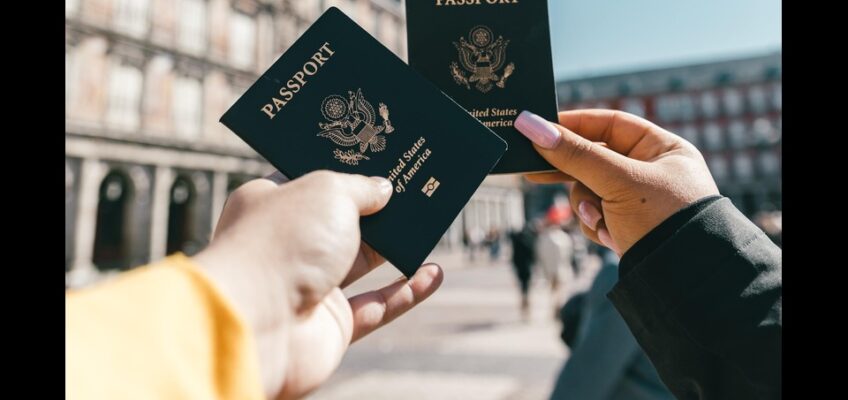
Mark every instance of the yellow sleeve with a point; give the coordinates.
(158, 332)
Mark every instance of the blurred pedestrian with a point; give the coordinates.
(554, 250)
(493, 241)
(522, 261)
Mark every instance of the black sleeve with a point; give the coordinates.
(702, 295)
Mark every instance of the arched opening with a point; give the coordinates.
(111, 241)
(180, 217)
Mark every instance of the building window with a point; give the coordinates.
(712, 137)
(718, 167)
(585, 91)
(88, 66)
(71, 7)
(368, 17)
(564, 95)
(349, 7)
(387, 31)
(131, 16)
(192, 29)
(737, 134)
(676, 107)
(157, 102)
(764, 131)
(757, 99)
(733, 104)
(634, 106)
(374, 21)
(668, 108)
(742, 166)
(70, 76)
(188, 99)
(124, 95)
(216, 95)
(307, 8)
(288, 32)
(769, 164)
(709, 104)
(687, 107)
(777, 97)
(690, 133)
(243, 36)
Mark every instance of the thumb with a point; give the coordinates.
(593, 164)
(369, 194)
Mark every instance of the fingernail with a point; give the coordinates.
(606, 239)
(538, 130)
(427, 276)
(432, 270)
(589, 214)
(384, 184)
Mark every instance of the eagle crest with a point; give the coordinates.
(482, 56)
(352, 122)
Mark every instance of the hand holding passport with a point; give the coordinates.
(339, 100)
(494, 59)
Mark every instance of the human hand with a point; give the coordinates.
(282, 253)
(629, 174)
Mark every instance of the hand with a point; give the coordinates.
(629, 174)
(281, 255)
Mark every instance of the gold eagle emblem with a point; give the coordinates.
(482, 56)
(352, 122)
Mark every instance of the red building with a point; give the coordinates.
(730, 110)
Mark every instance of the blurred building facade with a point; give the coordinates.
(147, 164)
(731, 110)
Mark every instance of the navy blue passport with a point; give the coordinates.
(493, 57)
(339, 100)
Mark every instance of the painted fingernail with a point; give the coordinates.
(606, 239)
(589, 214)
(384, 184)
(538, 130)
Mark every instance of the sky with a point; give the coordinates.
(597, 37)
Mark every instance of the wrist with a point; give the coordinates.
(259, 296)
(661, 233)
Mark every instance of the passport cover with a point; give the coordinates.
(339, 100)
(493, 57)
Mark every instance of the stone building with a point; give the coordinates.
(147, 164)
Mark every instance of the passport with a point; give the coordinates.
(493, 57)
(339, 100)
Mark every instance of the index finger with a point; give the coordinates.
(374, 309)
(621, 131)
